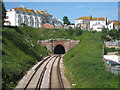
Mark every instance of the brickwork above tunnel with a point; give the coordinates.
(52, 43)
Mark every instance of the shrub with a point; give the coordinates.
(23, 24)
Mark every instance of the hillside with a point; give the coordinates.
(84, 64)
(21, 50)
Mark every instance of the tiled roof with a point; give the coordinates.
(47, 26)
(45, 12)
(101, 18)
(115, 22)
(83, 18)
(31, 11)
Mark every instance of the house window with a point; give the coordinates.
(36, 22)
(31, 22)
(19, 20)
(98, 22)
(25, 20)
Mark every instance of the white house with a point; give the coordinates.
(110, 25)
(30, 17)
(57, 23)
(83, 22)
(98, 24)
(113, 24)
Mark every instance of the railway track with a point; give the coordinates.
(47, 74)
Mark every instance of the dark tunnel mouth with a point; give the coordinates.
(59, 49)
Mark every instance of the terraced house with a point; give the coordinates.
(83, 22)
(33, 18)
(98, 23)
(89, 23)
(114, 24)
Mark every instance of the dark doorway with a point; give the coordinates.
(59, 49)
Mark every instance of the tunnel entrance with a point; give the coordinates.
(59, 49)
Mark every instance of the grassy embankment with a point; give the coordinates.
(21, 50)
(84, 65)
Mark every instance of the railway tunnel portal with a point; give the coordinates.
(59, 49)
(59, 46)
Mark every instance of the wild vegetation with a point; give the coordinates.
(107, 50)
(84, 64)
(21, 50)
(108, 35)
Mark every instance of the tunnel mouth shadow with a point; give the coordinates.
(59, 49)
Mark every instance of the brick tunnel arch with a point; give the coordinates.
(59, 49)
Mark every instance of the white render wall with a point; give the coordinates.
(110, 26)
(11, 18)
(97, 23)
(14, 20)
(97, 27)
(78, 22)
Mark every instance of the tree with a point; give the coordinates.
(118, 34)
(105, 34)
(113, 33)
(72, 23)
(66, 20)
(3, 12)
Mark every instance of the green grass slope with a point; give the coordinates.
(84, 65)
(20, 50)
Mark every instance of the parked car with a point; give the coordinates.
(112, 63)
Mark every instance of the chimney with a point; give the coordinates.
(106, 20)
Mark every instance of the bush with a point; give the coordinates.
(108, 35)
(70, 32)
(104, 34)
(111, 50)
(23, 24)
(74, 32)
(78, 32)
